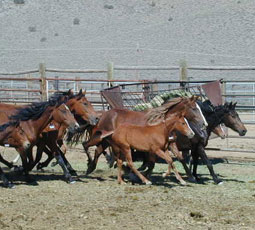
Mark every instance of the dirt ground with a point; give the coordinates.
(98, 202)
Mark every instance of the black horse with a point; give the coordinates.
(214, 115)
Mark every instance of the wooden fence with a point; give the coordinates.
(39, 84)
(42, 80)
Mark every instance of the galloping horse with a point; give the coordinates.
(152, 139)
(33, 120)
(111, 119)
(53, 134)
(12, 135)
(215, 115)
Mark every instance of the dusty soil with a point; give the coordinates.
(98, 202)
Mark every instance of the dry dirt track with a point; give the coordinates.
(98, 202)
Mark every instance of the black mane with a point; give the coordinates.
(36, 109)
(8, 124)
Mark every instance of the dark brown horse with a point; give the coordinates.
(33, 120)
(12, 135)
(111, 119)
(215, 115)
(152, 139)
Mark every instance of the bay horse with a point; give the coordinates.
(152, 139)
(53, 134)
(111, 119)
(34, 118)
(215, 115)
(12, 135)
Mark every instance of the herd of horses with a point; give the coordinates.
(182, 125)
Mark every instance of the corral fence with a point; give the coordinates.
(39, 84)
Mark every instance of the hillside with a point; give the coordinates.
(90, 33)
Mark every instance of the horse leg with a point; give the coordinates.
(206, 161)
(92, 166)
(7, 163)
(6, 182)
(47, 161)
(61, 162)
(127, 153)
(179, 156)
(166, 156)
(194, 162)
(150, 164)
(25, 166)
(110, 158)
(120, 172)
(68, 165)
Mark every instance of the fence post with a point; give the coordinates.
(183, 73)
(110, 70)
(42, 71)
(223, 91)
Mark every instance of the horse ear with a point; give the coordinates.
(70, 92)
(234, 105)
(80, 92)
(230, 105)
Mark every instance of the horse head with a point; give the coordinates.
(82, 109)
(63, 115)
(232, 120)
(14, 135)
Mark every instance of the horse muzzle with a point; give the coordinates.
(26, 145)
(242, 132)
(93, 120)
(74, 128)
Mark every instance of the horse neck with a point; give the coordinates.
(214, 120)
(169, 123)
(35, 127)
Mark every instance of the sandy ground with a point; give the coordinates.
(98, 202)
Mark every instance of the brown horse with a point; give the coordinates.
(12, 135)
(33, 120)
(152, 139)
(111, 119)
(52, 136)
(219, 131)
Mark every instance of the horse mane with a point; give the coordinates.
(35, 110)
(4, 126)
(157, 115)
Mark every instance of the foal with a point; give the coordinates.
(151, 139)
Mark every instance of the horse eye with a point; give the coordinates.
(85, 103)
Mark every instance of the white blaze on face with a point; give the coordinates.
(67, 107)
(189, 126)
(205, 122)
(223, 131)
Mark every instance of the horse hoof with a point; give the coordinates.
(192, 180)
(32, 182)
(18, 169)
(9, 185)
(71, 180)
(164, 175)
(220, 183)
(148, 183)
(183, 183)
